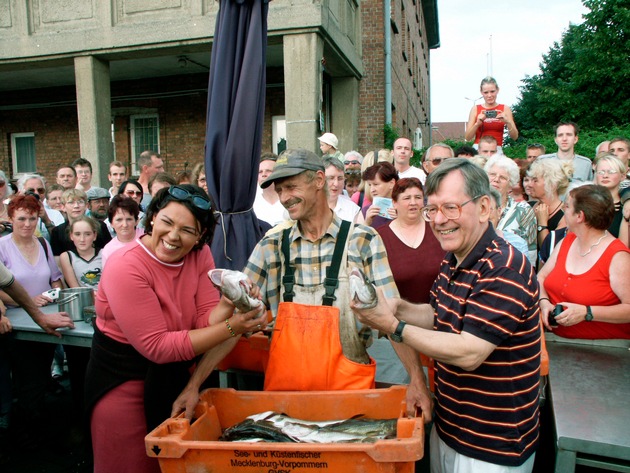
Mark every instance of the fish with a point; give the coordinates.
(362, 291)
(234, 285)
(273, 427)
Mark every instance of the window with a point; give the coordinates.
(279, 133)
(145, 135)
(23, 153)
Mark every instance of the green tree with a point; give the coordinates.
(585, 77)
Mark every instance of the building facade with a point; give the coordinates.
(104, 80)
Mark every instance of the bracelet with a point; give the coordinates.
(544, 299)
(229, 327)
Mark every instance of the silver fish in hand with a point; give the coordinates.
(362, 291)
(234, 285)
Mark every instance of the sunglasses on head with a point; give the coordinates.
(179, 193)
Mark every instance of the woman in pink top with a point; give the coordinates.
(123, 215)
(156, 312)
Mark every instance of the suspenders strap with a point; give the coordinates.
(331, 281)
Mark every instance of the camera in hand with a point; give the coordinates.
(557, 310)
(491, 113)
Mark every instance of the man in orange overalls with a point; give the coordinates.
(302, 270)
(301, 267)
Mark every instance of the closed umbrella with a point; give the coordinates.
(234, 125)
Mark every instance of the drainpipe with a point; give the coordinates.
(387, 13)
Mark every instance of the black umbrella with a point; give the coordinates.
(234, 125)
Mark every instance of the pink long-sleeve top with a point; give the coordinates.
(152, 305)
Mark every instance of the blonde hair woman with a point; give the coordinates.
(609, 172)
(490, 118)
(546, 181)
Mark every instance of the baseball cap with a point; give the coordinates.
(329, 139)
(94, 193)
(293, 162)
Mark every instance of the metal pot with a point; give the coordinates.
(74, 300)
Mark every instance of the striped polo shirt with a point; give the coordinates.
(491, 413)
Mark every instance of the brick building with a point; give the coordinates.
(105, 80)
(448, 131)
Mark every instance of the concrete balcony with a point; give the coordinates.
(147, 38)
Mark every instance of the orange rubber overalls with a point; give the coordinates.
(306, 350)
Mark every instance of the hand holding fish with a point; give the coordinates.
(370, 305)
(248, 322)
(237, 287)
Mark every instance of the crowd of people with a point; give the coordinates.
(518, 221)
(472, 253)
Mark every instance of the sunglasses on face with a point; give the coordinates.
(351, 162)
(31, 193)
(181, 194)
(39, 190)
(132, 193)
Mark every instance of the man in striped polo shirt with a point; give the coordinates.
(482, 328)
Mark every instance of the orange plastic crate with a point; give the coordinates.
(249, 354)
(182, 447)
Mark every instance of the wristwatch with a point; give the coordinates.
(589, 314)
(542, 227)
(397, 335)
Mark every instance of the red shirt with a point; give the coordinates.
(491, 126)
(414, 269)
(589, 288)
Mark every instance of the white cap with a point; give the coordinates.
(329, 139)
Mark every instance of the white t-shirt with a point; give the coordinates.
(273, 214)
(413, 171)
(346, 209)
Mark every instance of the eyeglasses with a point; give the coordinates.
(435, 161)
(500, 178)
(354, 161)
(39, 190)
(450, 211)
(83, 171)
(136, 193)
(182, 194)
(2, 183)
(607, 171)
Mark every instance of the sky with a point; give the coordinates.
(521, 30)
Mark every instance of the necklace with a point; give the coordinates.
(594, 244)
(401, 235)
(556, 209)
